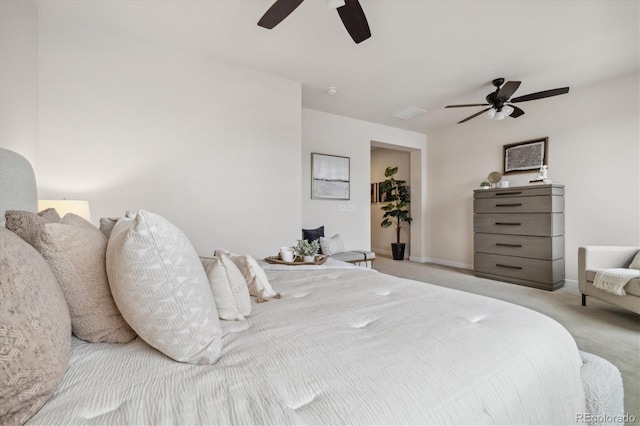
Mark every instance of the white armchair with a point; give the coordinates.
(592, 258)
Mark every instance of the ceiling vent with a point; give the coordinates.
(408, 112)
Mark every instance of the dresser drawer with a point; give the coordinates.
(535, 204)
(535, 270)
(520, 191)
(535, 224)
(547, 248)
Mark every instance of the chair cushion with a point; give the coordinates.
(354, 256)
(632, 287)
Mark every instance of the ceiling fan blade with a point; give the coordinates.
(277, 12)
(517, 112)
(507, 90)
(354, 20)
(540, 95)
(465, 105)
(474, 115)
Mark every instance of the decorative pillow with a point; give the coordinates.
(107, 224)
(635, 263)
(254, 276)
(313, 234)
(75, 249)
(161, 288)
(332, 245)
(50, 215)
(229, 288)
(28, 225)
(35, 331)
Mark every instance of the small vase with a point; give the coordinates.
(309, 259)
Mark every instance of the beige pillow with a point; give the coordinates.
(254, 276)
(220, 284)
(75, 250)
(635, 263)
(332, 245)
(35, 330)
(28, 225)
(161, 288)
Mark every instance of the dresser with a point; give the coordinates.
(519, 235)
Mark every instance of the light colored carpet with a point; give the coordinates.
(599, 328)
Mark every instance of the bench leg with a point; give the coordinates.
(584, 300)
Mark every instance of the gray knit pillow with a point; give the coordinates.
(75, 249)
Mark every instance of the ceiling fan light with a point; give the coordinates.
(491, 113)
(499, 115)
(508, 110)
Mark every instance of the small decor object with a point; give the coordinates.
(524, 157)
(374, 193)
(287, 254)
(307, 249)
(329, 177)
(494, 178)
(542, 177)
(485, 185)
(397, 208)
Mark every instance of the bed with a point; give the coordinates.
(342, 345)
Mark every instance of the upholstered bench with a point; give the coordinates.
(334, 247)
(358, 257)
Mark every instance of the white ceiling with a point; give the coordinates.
(423, 53)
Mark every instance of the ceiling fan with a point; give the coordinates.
(500, 104)
(350, 12)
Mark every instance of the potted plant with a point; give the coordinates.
(307, 249)
(485, 185)
(397, 208)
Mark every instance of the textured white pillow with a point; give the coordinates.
(229, 289)
(161, 288)
(332, 245)
(635, 263)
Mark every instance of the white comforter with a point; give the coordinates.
(341, 346)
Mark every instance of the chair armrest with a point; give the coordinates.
(603, 257)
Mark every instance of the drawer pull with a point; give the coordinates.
(508, 266)
(509, 193)
(509, 223)
(509, 205)
(508, 245)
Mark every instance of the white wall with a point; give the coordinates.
(213, 148)
(381, 238)
(594, 150)
(19, 78)
(332, 134)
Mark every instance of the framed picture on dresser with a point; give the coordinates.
(525, 157)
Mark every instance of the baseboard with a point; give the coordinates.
(458, 265)
(418, 259)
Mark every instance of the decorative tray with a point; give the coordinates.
(320, 259)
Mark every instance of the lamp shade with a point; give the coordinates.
(499, 115)
(491, 113)
(79, 207)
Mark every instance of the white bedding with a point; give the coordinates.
(341, 346)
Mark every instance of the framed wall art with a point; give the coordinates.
(525, 157)
(330, 177)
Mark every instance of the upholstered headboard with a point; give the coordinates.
(17, 183)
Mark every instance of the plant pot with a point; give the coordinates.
(309, 259)
(397, 249)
